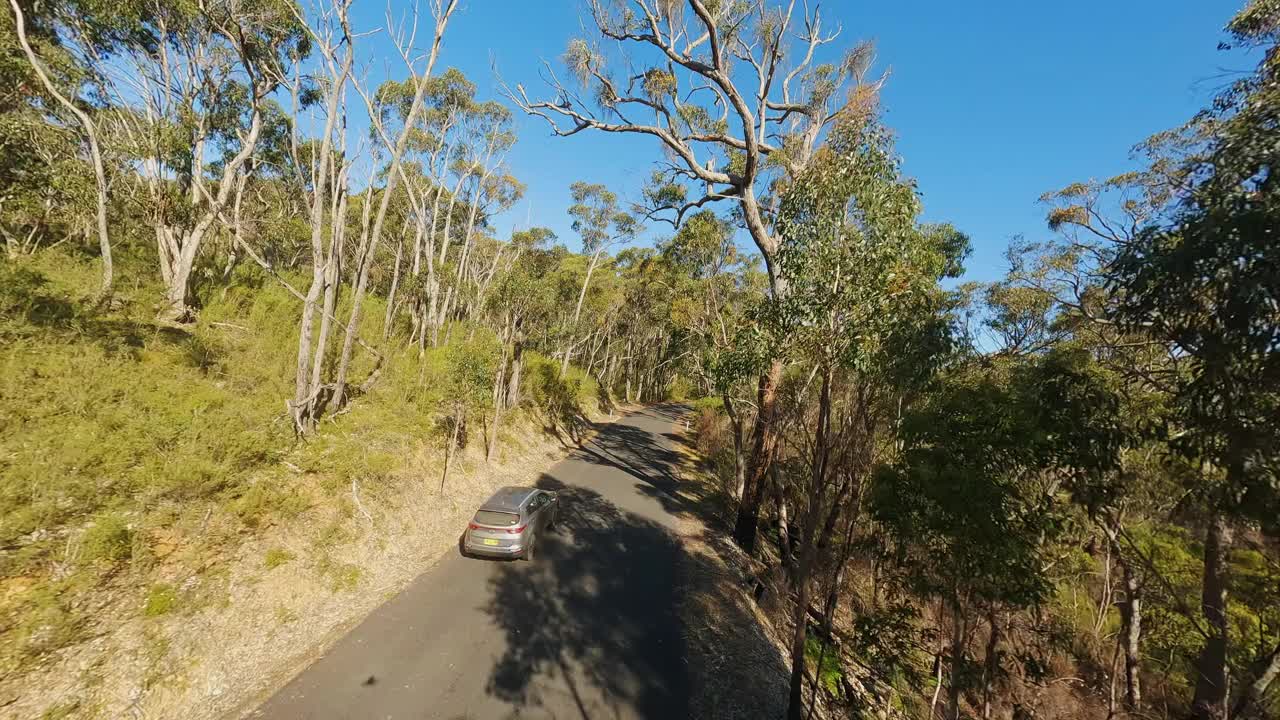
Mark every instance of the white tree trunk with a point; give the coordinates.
(95, 153)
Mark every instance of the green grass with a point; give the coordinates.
(340, 577)
(276, 557)
(108, 539)
(161, 599)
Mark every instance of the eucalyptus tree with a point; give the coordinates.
(1207, 283)
(486, 184)
(431, 151)
(600, 225)
(973, 504)
(188, 84)
(523, 298)
(722, 283)
(396, 144)
(863, 277)
(1170, 274)
(70, 101)
(736, 96)
(325, 190)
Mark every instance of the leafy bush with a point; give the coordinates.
(109, 539)
(680, 389)
(563, 401)
(257, 503)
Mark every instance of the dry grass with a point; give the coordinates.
(223, 631)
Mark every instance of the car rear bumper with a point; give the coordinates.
(475, 547)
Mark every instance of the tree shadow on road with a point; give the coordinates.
(597, 608)
(618, 617)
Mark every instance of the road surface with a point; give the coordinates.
(589, 629)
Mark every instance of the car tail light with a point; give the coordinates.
(518, 530)
(472, 526)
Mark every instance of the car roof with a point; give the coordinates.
(508, 498)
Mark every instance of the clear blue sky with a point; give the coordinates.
(993, 103)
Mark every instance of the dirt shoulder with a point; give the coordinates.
(735, 654)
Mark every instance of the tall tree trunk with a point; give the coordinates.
(813, 520)
(306, 383)
(95, 153)
(1131, 632)
(786, 543)
(577, 312)
(332, 283)
(448, 449)
(439, 308)
(628, 369)
(957, 659)
(393, 175)
(517, 363)
(739, 464)
(391, 294)
(764, 443)
(1210, 698)
(991, 666)
(492, 450)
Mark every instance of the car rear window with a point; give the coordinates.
(497, 519)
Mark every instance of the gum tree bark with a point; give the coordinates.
(1131, 633)
(1210, 698)
(91, 134)
(325, 273)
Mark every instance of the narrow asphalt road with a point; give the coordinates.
(589, 629)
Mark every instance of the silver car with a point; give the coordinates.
(510, 523)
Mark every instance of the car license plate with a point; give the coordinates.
(489, 541)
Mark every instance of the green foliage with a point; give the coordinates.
(889, 639)
(829, 672)
(597, 218)
(169, 416)
(161, 599)
(1221, 254)
(971, 504)
(563, 401)
(679, 389)
(469, 368)
(176, 424)
(861, 273)
(259, 502)
(109, 539)
(45, 619)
